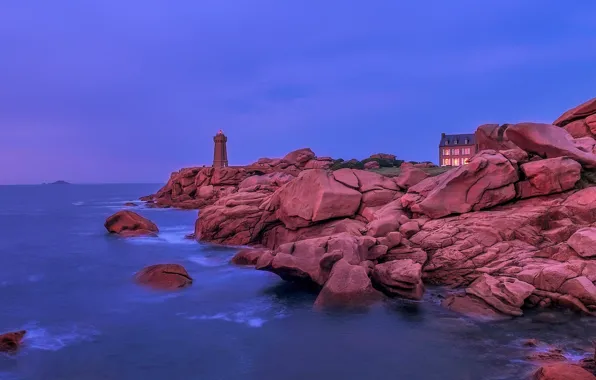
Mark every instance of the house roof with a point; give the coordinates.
(449, 140)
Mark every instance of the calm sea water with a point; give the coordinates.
(69, 284)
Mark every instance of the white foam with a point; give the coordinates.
(78, 203)
(43, 339)
(167, 235)
(252, 316)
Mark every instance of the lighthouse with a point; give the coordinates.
(220, 152)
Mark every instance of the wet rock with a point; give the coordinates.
(129, 224)
(472, 307)
(399, 278)
(11, 342)
(164, 276)
(130, 204)
(348, 285)
(506, 295)
(248, 256)
(562, 371)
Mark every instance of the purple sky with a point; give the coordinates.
(130, 90)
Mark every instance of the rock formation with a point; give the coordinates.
(11, 342)
(129, 224)
(562, 371)
(514, 228)
(164, 276)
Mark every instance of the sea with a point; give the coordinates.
(66, 281)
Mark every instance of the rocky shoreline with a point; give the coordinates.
(514, 229)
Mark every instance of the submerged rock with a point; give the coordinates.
(10, 342)
(164, 276)
(129, 224)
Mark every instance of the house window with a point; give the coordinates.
(456, 152)
(456, 162)
(456, 141)
(446, 162)
(466, 161)
(466, 151)
(445, 152)
(446, 142)
(466, 141)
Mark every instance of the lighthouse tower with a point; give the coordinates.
(220, 153)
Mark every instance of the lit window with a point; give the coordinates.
(466, 161)
(456, 162)
(466, 151)
(456, 152)
(445, 152)
(446, 162)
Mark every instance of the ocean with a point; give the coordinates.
(69, 284)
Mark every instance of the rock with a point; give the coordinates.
(248, 256)
(488, 180)
(410, 176)
(376, 251)
(492, 137)
(190, 236)
(584, 242)
(548, 141)
(372, 165)
(348, 285)
(313, 197)
(530, 342)
(472, 307)
(553, 175)
(580, 112)
(399, 278)
(128, 224)
(10, 342)
(562, 371)
(409, 229)
(551, 355)
(130, 204)
(299, 157)
(164, 276)
(506, 295)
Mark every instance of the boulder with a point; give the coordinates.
(472, 307)
(128, 224)
(314, 196)
(164, 276)
(10, 342)
(492, 137)
(504, 294)
(580, 112)
(548, 141)
(130, 204)
(299, 157)
(553, 175)
(488, 180)
(348, 285)
(410, 176)
(584, 242)
(562, 371)
(248, 256)
(399, 278)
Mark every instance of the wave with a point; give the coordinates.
(40, 338)
(78, 203)
(167, 235)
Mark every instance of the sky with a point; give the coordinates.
(122, 91)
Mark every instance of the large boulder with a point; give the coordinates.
(299, 157)
(10, 342)
(164, 276)
(562, 371)
(488, 180)
(504, 294)
(553, 175)
(584, 242)
(580, 112)
(492, 137)
(548, 141)
(249, 256)
(313, 197)
(399, 278)
(127, 223)
(348, 285)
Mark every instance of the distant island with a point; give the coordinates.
(57, 183)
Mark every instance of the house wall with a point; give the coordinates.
(455, 155)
